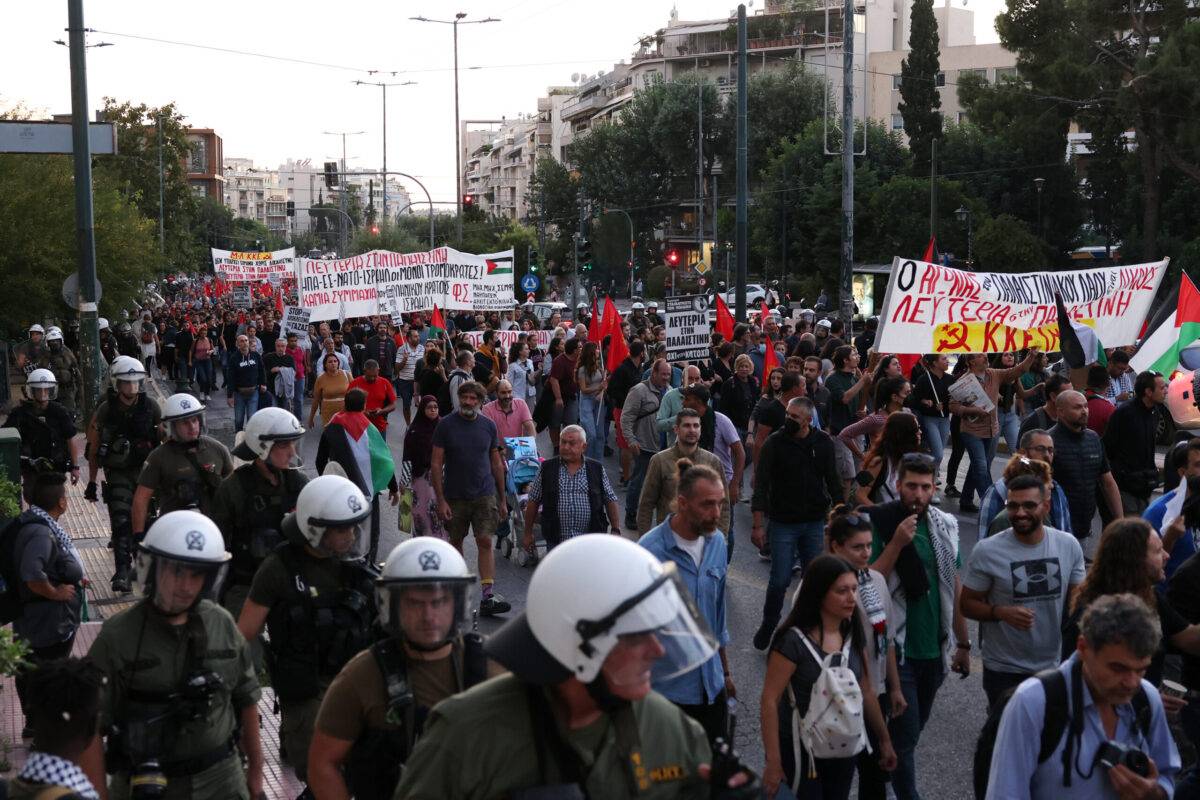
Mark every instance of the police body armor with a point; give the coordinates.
(260, 524)
(126, 438)
(39, 439)
(197, 490)
(312, 638)
(373, 766)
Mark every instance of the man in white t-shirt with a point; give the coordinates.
(407, 357)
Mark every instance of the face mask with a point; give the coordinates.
(791, 427)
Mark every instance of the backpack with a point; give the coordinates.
(832, 727)
(1054, 724)
(10, 579)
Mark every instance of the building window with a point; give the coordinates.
(980, 74)
(896, 81)
(962, 117)
(897, 122)
(198, 161)
(1006, 74)
(940, 80)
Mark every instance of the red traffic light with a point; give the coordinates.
(672, 258)
(375, 230)
(468, 200)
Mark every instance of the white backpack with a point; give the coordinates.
(833, 726)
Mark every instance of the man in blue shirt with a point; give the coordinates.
(1118, 637)
(690, 538)
(1180, 547)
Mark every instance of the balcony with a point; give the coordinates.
(581, 106)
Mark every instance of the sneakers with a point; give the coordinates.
(762, 637)
(494, 604)
(937, 498)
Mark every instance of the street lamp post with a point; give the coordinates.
(1040, 184)
(342, 184)
(457, 146)
(384, 87)
(964, 216)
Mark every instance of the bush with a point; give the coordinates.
(656, 281)
(10, 499)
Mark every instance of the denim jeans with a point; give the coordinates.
(636, 478)
(789, 541)
(204, 375)
(298, 399)
(243, 409)
(920, 679)
(979, 473)
(935, 431)
(593, 423)
(1010, 425)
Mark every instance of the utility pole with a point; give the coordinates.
(384, 87)
(344, 244)
(161, 235)
(742, 227)
(847, 283)
(699, 167)
(933, 189)
(85, 236)
(457, 145)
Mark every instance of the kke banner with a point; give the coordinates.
(929, 308)
(688, 334)
(383, 282)
(254, 267)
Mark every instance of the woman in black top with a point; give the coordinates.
(824, 615)
(722, 367)
(739, 396)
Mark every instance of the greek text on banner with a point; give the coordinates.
(929, 308)
(255, 267)
(383, 282)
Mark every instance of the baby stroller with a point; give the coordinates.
(522, 462)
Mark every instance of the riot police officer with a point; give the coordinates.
(373, 711)
(185, 470)
(314, 595)
(652, 316)
(181, 683)
(127, 343)
(637, 317)
(123, 431)
(47, 430)
(578, 657)
(29, 351)
(108, 342)
(249, 505)
(59, 359)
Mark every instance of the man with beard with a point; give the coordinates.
(1017, 584)
(1081, 465)
(510, 414)
(689, 537)
(659, 487)
(47, 430)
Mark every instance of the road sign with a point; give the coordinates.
(702, 267)
(70, 291)
(530, 282)
(23, 136)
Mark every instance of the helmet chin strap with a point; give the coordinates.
(604, 697)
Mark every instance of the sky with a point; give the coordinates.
(272, 110)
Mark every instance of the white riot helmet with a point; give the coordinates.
(565, 632)
(41, 379)
(129, 369)
(181, 540)
(35, 328)
(102, 323)
(653, 305)
(638, 306)
(438, 580)
(264, 429)
(54, 334)
(1182, 399)
(331, 501)
(179, 407)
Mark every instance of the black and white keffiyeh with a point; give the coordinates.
(63, 538)
(51, 770)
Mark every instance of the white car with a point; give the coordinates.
(755, 294)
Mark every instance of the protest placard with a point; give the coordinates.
(383, 282)
(241, 296)
(688, 333)
(295, 320)
(235, 266)
(929, 308)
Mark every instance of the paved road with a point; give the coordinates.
(944, 755)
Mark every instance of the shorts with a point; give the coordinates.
(404, 390)
(844, 460)
(622, 443)
(480, 514)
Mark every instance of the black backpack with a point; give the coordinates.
(1054, 724)
(10, 579)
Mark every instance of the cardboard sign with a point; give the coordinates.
(295, 320)
(688, 331)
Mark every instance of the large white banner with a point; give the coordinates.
(383, 282)
(929, 308)
(235, 265)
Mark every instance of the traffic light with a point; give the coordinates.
(331, 174)
(468, 201)
(673, 258)
(533, 261)
(584, 254)
(291, 208)
(374, 230)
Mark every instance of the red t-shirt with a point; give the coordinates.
(379, 394)
(563, 370)
(1099, 410)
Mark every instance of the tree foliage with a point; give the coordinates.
(920, 103)
(1005, 244)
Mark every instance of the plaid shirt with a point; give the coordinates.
(573, 510)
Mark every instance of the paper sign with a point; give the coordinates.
(688, 332)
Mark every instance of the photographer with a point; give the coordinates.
(1117, 744)
(1129, 443)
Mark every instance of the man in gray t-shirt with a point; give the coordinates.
(1018, 585)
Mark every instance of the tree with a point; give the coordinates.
(1004, 244)
(920, 101)
(898, 221)
(551, 201)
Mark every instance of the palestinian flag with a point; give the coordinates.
(500, 266)
(1080, 345)
(1160, 351)
(371, 453)
(437, 325)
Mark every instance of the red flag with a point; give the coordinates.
(279, 300)
(930, 250)
(763, 312)
(618, 350)
(907, 362)
(595, 328)
(724, 324)
(770, 360)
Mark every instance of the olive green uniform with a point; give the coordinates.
(481, 744)
(310, 639)
(65, 366)
(127, 434)
(186, 475)
(147, 660)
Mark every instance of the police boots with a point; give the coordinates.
(122, 557)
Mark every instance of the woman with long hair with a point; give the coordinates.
(849, 537)
(1130, 559)
(876, 482)
(418, 448)
(891, 395)
(1009, 402)
(592, 381)
(521, 373)
(821, 622)
(722, 367)
(329, 392)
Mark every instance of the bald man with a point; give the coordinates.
(1080, 464)
(511, 414)
(673, 401)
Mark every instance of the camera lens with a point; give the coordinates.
(1138, 762)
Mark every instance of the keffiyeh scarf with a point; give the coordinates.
(49, 770)
(64, 540)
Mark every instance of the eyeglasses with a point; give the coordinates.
(1028, 505)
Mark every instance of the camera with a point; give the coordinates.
(147, 781)
(1113, 753)
(198, 692)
